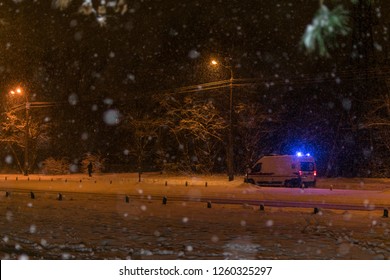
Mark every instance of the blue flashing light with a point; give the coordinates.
(300, 154)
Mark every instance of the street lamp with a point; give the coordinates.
(26, 127)
(230, 151)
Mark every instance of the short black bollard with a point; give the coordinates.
(186, 183)
(32, 195)
(66, 180)
(385, 213)
(110, 181)
(316, 210)
(127, 199)
(261, 207)
(7, 194)
(16, 178)
(205, 184)
(208, 204)
(164, 201)
(59, 197)
(166, 183)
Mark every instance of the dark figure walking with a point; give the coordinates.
(89, 166)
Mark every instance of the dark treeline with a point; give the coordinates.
(135, 91)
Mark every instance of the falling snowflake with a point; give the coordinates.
(193, 54)
(73, 99)
(9, 159)
(112, 117)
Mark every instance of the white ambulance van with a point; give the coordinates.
(284, 170)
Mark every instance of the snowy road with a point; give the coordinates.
(94, 221)
(274, 201)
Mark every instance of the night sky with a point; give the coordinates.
(172, 40)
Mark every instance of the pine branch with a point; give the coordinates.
(327, 25)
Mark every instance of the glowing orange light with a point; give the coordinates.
(214, 62)
(16, 91)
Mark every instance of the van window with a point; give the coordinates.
(307, 166)
(257, 167)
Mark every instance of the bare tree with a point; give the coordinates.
(13, 135)
(199, 129)
(143, 133)
(253, 128)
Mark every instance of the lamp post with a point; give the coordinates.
(230, 150)
(26, 128)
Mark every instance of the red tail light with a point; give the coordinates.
(300, 172)
(315, 173)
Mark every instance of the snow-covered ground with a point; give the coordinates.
(95, 221)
